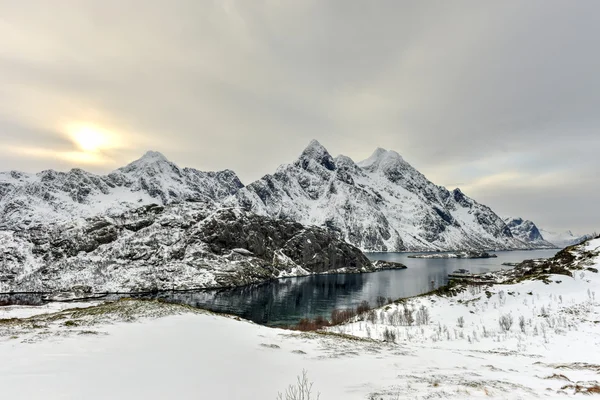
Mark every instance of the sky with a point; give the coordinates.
(501, 99)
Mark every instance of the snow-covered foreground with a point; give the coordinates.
(203, 356)
(150, 350)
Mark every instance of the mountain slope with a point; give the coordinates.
(528, 232)
(49, 197)
(379, 204)
(179, 246)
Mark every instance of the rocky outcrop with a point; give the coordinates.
(180, 246)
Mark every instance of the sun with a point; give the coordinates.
(89, 139)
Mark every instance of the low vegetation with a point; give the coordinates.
(301, 390)
(338, 316)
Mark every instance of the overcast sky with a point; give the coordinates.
(500, 98)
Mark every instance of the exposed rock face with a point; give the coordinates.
(180, 246)
(379, 204)
(27, 200)
(528, 232)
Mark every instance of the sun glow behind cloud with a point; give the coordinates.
(91, 145)
(92, 139)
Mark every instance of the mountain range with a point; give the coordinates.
(378, 204)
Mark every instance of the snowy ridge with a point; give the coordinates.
(48, 197)
(379, 204)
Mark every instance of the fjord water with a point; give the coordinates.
(286, 301)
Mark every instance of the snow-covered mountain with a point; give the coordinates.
(564, 239)
(379, 204)
(528, 232)
(178, 246)
(48, 197)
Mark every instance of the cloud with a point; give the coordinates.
(491, 95)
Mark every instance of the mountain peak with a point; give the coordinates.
(149, 159)
(381, 159)
(314, 148)
(319, 154)
(152, 155)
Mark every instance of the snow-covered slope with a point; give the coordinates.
(455, 348)
(528, 232)
(28, 200)
(564, 239)
(547, 312)
(179, 246)
(379, 204)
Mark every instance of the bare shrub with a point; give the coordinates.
(363, 307)
(372, 316)
(380, 301)
(460, 322)
(396, 318)
(502, 297)
(339, 316)
(522, 323)
(302, 390)
(389, 335)
(422, 316)
(306, 324)
(409, 319)
(505, 322)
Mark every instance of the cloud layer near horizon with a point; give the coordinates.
(499, 98)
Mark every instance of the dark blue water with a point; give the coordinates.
(286, 301)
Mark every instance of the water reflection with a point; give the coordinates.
(286, 301)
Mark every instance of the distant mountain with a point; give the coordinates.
(564, 239)
(379, 204)
(527, 232)
(48, 197)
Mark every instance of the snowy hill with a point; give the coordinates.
(379, 204)
(547, 315)
(528, 232)
(48, 197)
(564, 239)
